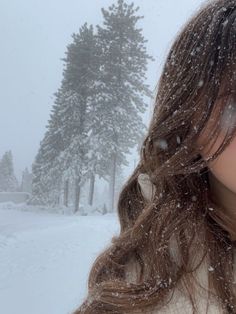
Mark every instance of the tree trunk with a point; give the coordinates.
(66, 192)
(91, 188)
(77, 195)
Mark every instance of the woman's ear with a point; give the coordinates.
(148, 189)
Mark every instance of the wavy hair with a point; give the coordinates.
(196, 85)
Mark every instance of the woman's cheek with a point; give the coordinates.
(224, 167)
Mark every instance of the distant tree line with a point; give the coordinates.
(96, 117)
(8, 180)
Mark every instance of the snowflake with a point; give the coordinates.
(162, 144)
(200, 83)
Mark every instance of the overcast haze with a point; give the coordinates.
(34, 35)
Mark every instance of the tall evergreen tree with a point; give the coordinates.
(80, 81)
(96, 117)
(63, 153)
(122, 82)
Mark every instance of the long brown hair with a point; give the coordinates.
(197, 82)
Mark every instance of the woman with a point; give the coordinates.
(176, 252)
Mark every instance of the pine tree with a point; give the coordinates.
(46, 177)
(26, 182)
(8, 181)
(40, 186)
(64, 152)
(122, 81)
(96, 116)
(80, 81)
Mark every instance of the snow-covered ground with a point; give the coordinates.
(45, 258)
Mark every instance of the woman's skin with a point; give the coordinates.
(223, 189)
(222, 175)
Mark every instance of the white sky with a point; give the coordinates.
(34, 35)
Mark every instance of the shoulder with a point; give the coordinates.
(178, 301)
(177, 305)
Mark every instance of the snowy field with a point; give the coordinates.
(46, 257)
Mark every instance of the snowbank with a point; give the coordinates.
(46, 258)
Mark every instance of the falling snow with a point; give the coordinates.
(210, 268)
(162, 144)
(225, 23)
(200, 83)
